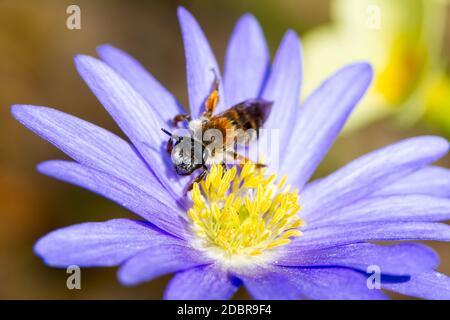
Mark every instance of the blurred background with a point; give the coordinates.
(408, 41)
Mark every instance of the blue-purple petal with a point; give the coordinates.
(156, 207)
(88, 144)
(329, 236)
(269, 284)
(283, 88)
(390, 208)
(246, 61)
(140, 122)
(369, 173)
(320, 119)
(201, 64)
(208, 282)
(159, 260)
(332, 284)
(156, 95)
(401, 259)
(428, 285)
(95, 244)
(432, 181)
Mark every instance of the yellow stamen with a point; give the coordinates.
(244, 214)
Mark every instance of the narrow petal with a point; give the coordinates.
(157, 261)
(278, 283)
(246, 61)
(393, 208)
(432, 181)
(370, 173)
(283, 87)
(202, 283)
(96, 244)
(270, 284)
(140, 122)
(201, 64)
(156, 95)
(320, 120)
(332, 284)
(430, 285)
(156, 207)
(87, 143)
(331, 236)
(401, 259)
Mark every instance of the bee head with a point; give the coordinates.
(187, 153)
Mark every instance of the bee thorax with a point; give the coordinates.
(195, 125)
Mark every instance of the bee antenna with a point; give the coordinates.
(167, 132)
(216, 77)
(171, 135)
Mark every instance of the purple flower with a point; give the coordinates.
(216, 239)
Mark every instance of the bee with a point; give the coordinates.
(238, 125)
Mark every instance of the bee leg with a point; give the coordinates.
(211, 101)
(199, 178)
(179, 118)
(169, 147)
(260, 165)
(224, 167)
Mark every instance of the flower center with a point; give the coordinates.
(243, 215)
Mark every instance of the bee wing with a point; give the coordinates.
(258, 109)
(243, 121)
